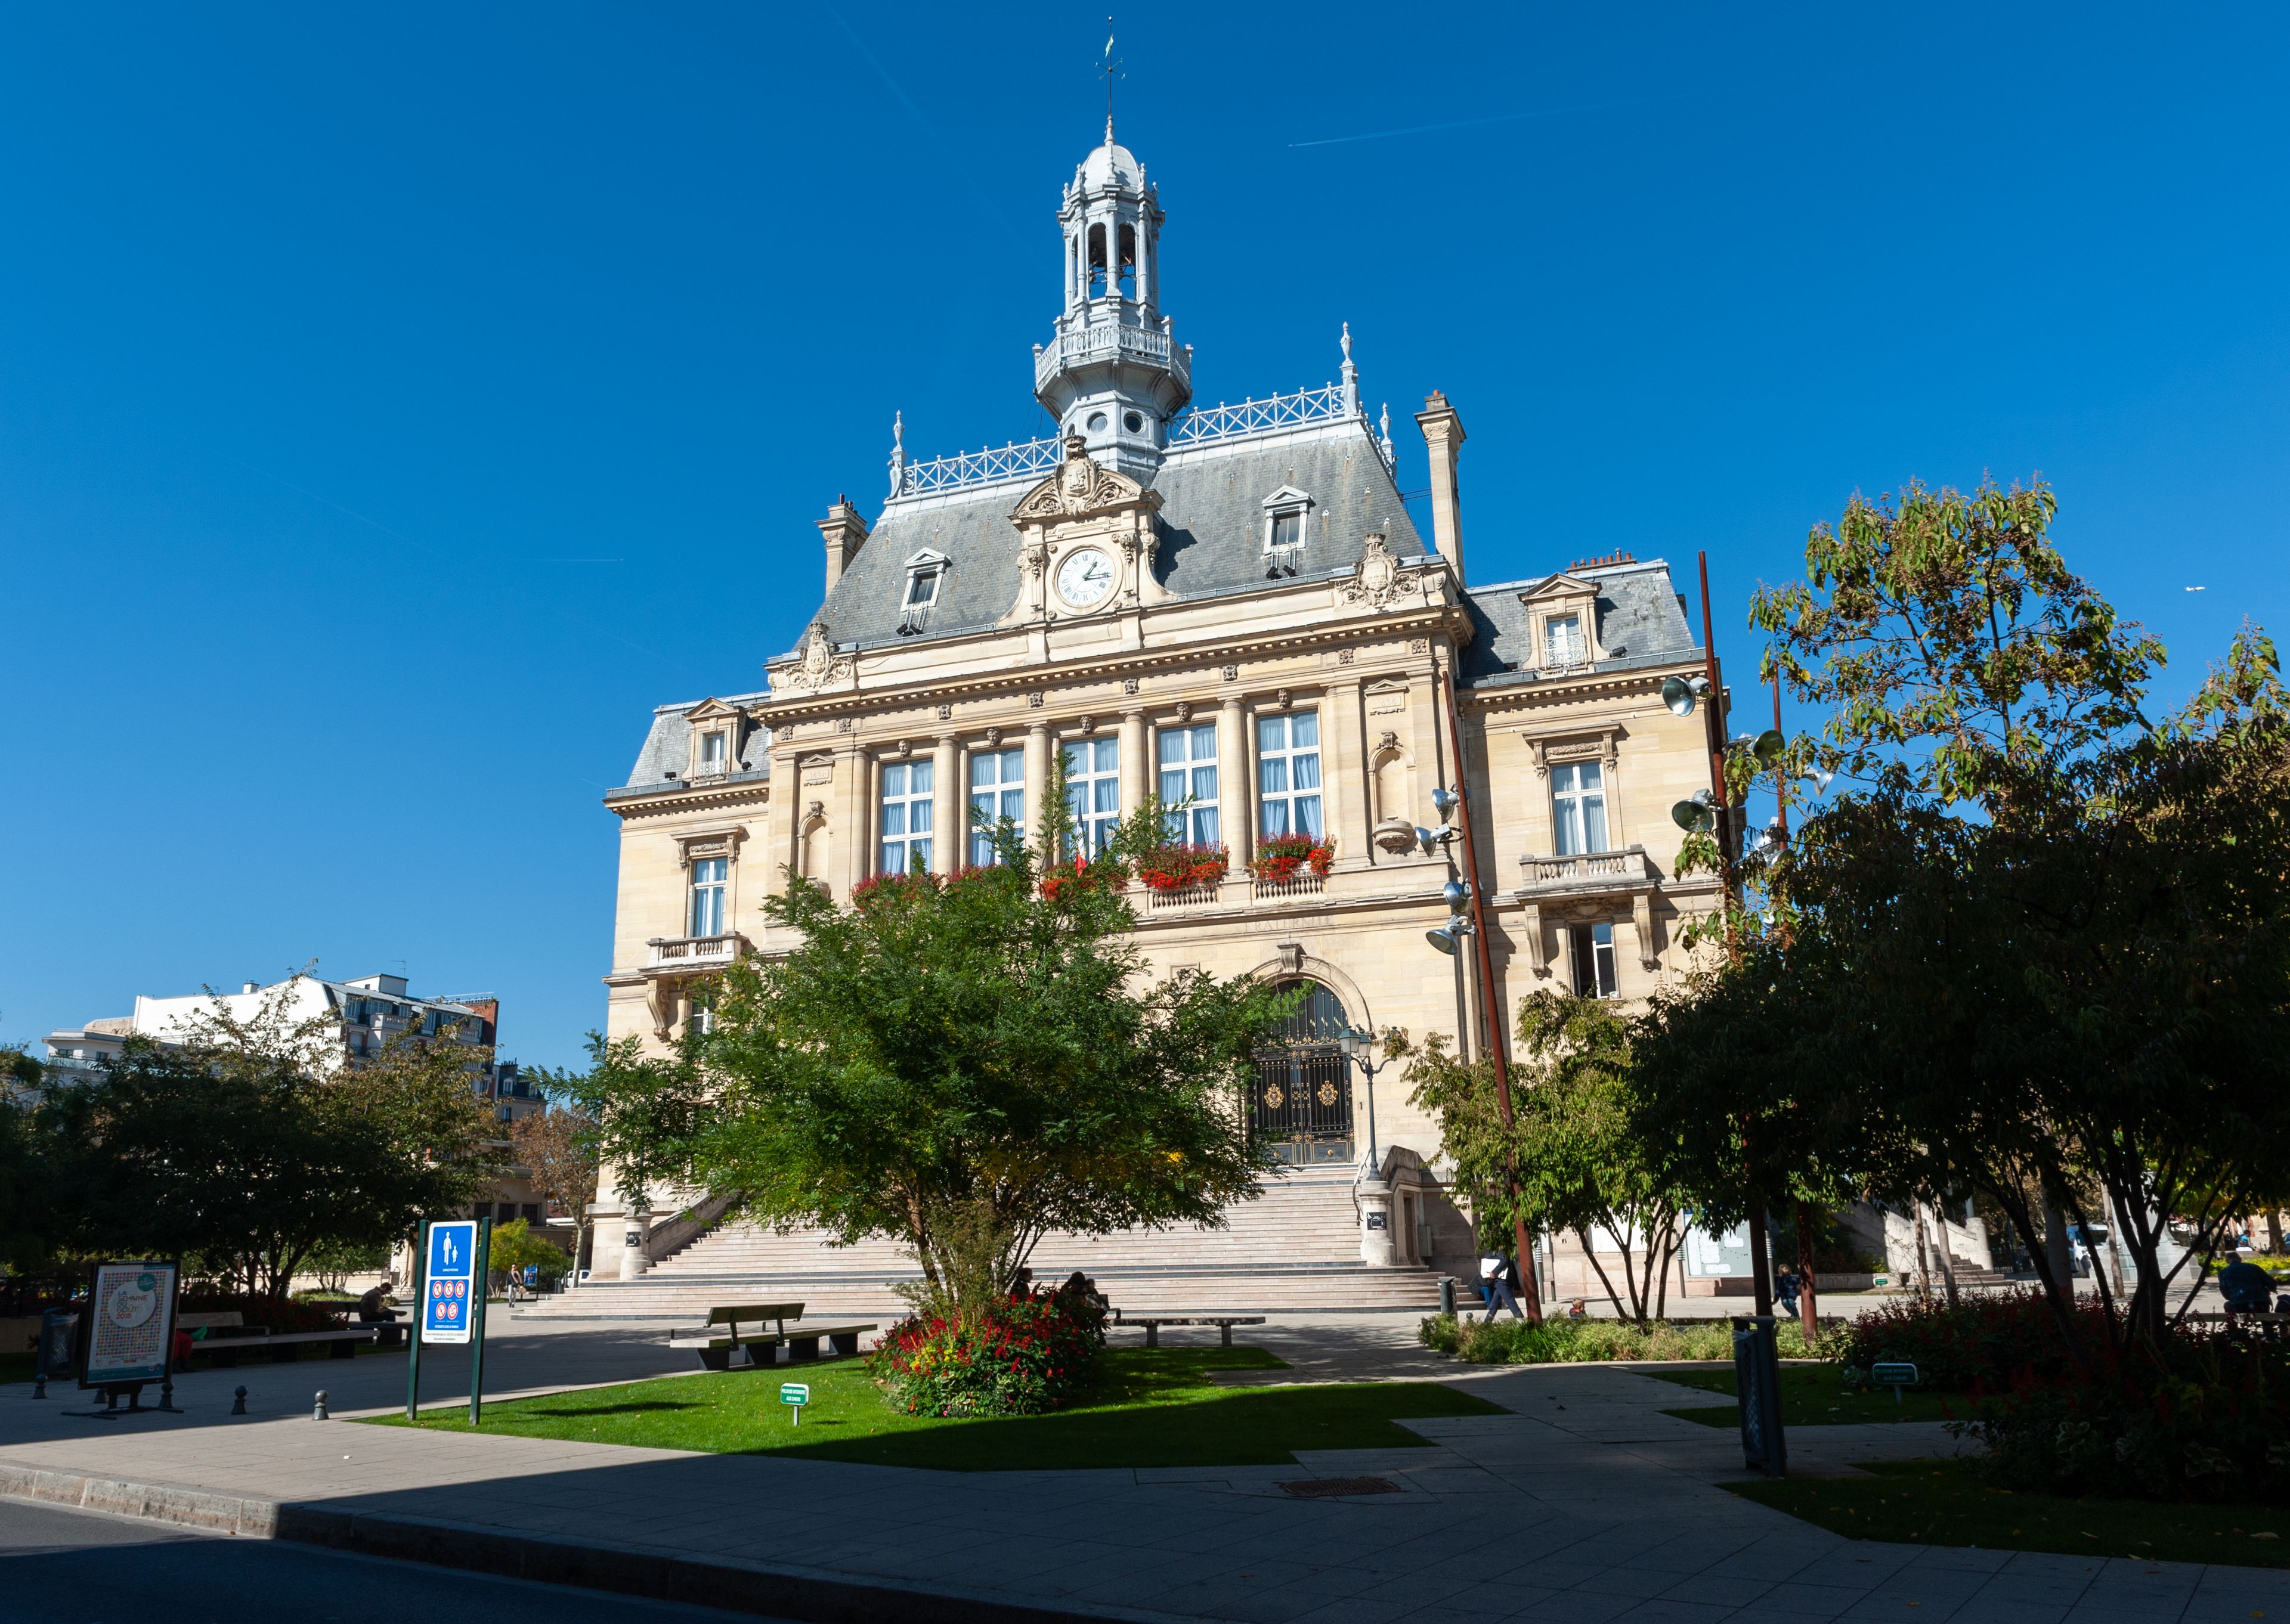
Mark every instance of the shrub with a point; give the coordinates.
(1021, 1356)
(1983, 1344)
(1566, 1341)
(2209, 1419)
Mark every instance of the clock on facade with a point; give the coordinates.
(1084, 578)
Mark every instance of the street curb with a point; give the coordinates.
(815, 1596)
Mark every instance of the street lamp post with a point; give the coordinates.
(1360, 1049)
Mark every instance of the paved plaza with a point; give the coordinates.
(1581, 1502)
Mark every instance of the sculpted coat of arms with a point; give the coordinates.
(1377, 581)
(816, 665)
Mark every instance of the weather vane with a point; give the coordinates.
(1112, 71)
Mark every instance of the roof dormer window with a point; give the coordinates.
(925, 572)
(1285, 511)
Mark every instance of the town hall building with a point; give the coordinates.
(1230, 605)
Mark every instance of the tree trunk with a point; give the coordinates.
(1940, 1239)
(2056, 1250)
(2273, 1232)
(1923, 1257)
(1807, 1307)
(1591, 1252)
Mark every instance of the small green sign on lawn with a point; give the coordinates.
(797, 1393)
(1895, 1374)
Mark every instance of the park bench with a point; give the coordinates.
(2268, 1327)
(802, 1342)
(227, 1335)
(1224, 1323)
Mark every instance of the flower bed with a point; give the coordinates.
(1566, 1341)
(1023, 1356)
(1279, 857)
(1183, 865)
(1981, 1344)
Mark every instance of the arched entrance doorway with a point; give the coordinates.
(1301, 1106)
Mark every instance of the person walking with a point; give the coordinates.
(1785, 1287)
(1499, 1283)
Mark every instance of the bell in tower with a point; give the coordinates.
(1112, 373)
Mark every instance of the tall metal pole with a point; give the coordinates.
(1761, 1271)
(477, 1324)
(1489, 999)
(413, 1331)
(1808, 1293)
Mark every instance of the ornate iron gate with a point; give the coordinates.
(1303, 1101)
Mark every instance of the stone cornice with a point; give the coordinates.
(677, 799)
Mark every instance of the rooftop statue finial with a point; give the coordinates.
(898, 452)
(1352, 407)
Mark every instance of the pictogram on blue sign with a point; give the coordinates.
(449, 1299)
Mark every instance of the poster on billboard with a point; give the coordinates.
(131, 1324)
(451, 1295)
(1719, 1257)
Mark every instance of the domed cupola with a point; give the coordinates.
(1112, 373)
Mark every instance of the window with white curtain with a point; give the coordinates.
(997, 790)
(1093, 789)
(1189, 771)
(1288, 774)
(906, 815)
(709, 875)
(1578, 807)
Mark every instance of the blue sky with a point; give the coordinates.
(396, 403)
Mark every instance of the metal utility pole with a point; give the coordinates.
(1761, 1269)
(1490, 1000)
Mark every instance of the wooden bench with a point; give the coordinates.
(802, 1342)
(2269, 1327)
(1154, 1321)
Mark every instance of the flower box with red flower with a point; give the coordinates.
(1279, 857)
(1183, 865)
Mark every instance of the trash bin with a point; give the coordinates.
(1758, 1381)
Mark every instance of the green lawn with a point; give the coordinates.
(1149, 1408)
(1811, 1395)
(1937, 1502)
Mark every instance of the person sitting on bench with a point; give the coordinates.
(373, 1305)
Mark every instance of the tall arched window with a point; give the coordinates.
(1302, 1105)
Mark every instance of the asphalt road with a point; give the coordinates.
(79, 1567)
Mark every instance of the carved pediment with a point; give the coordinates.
(1079, 488)
(1559, 586)
(816, 663)
(713, 710)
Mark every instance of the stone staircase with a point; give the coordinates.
(1295, 1247)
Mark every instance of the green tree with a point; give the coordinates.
(515, 1245)
(558, 1149)
(637, 1113)
(1582, 1165)
(2036, 938)
(964, 1064)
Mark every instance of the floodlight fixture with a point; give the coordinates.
(1768, 745)
(1445, 800)
(1681, 693)
(1430, 838)
(1697, 814)
(1454, 894)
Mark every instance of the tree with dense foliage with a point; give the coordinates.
(251, 1146)
(558, 1149)
(1582, 1164)
(964, 1063)
(2036, 940)
(637, 1112)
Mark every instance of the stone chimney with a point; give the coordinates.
(1443, 435)
(846, 533)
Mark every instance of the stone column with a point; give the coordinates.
(1134, 771)
(1235, 785)
(633, 1229)
(1038, 779)
(947, 837)
(1343, 771)
(1374, 1198)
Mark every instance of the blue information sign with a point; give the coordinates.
(451, 1295)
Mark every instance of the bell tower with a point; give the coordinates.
(1112, 373)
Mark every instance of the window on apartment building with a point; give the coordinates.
(1562, 641)
(997, 791)
(712, 752)
(907, 792)
(1288, 774)
(1594, 960)
(1578, 807)
(1189, 773)
(922, 593)
(709, 877)
(1093, 789)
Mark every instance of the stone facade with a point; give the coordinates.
(1143, 577)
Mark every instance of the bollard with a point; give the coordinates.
(1448, 1295)
(40, 1385)
(238, 1401)
(318, 1410)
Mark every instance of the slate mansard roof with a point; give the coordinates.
(668, 748)
(1641, 622)
(1212, 525)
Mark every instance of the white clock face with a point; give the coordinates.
(1084, 578)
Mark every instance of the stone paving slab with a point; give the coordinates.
(1582, 1502)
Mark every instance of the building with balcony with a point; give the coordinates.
(1232, 605)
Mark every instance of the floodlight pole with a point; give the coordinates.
(1489, 999)
(1761, 1272)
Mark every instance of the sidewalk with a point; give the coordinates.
(1584, 1503)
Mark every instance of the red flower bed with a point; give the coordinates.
(1184, 864)
(1278, 856)
(1084, 873)
(1024, 1355)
